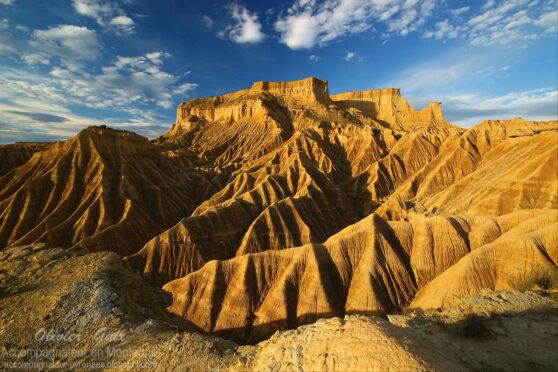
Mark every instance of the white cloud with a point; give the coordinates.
(185, 88)
(489, 4)
(508, 23)
(459, 11)
(413, 15)
(549, 21)
(246, 29)
(123, 23)
(35, 106)
(132, 80)
(5, 38)
(107, 14)
(313, 58)
(6, 2)
(308, 23)
(299, 31)
(122, 85)
(22, 28)
(444, 30)
(352, 57)
(67, 42)
(470, 109)
(207, 21)
(35, 58)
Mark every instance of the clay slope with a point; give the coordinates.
(372, 267)
(491, 169)
(305, 166)
(102, 190)
(279, 204)
(14, 155)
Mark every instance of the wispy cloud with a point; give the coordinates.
(107, 14)
(67, 42)
(459, 11)
(469, 109)
(510, 23)
(207, 21)
(352, 57)
(5, 38)
(308, 23)
(130, 87)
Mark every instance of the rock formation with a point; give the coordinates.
(17, 154)
(277, 205)
(63, 311)
(102, 190)
(374, 267)
(390, 108)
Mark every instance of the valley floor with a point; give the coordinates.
(90, 311)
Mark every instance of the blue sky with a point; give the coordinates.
(67, 64)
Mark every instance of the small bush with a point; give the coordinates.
(541, 277)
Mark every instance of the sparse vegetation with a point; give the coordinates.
(541, 278)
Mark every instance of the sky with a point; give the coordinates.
(68, 64)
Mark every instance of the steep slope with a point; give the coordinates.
(372, 267)
(530, 246)
(287, 198)
(321, 166)
(491, 169)
(277, 205)
(102, 190)
(14, 155)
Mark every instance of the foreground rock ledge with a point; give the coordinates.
(90, 311)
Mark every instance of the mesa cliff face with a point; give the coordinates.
(389, 107)
(277, 205)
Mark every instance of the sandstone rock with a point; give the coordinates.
(102, 190)
(278, 205)
(17, 154)
(372, 267)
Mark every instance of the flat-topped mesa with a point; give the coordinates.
(389, 106)
(218, 109)
(306, 91)
(249, 103)
(257, 103)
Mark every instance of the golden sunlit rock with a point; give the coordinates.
(269, 208)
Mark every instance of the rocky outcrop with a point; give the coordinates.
(17, 154)
(390, 108)
(277, 205)
(63, 311)
(372, 267)
(102, 190)
(484, 171)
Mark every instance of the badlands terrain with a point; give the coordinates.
(284, 228)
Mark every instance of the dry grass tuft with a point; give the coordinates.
(541, 278)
